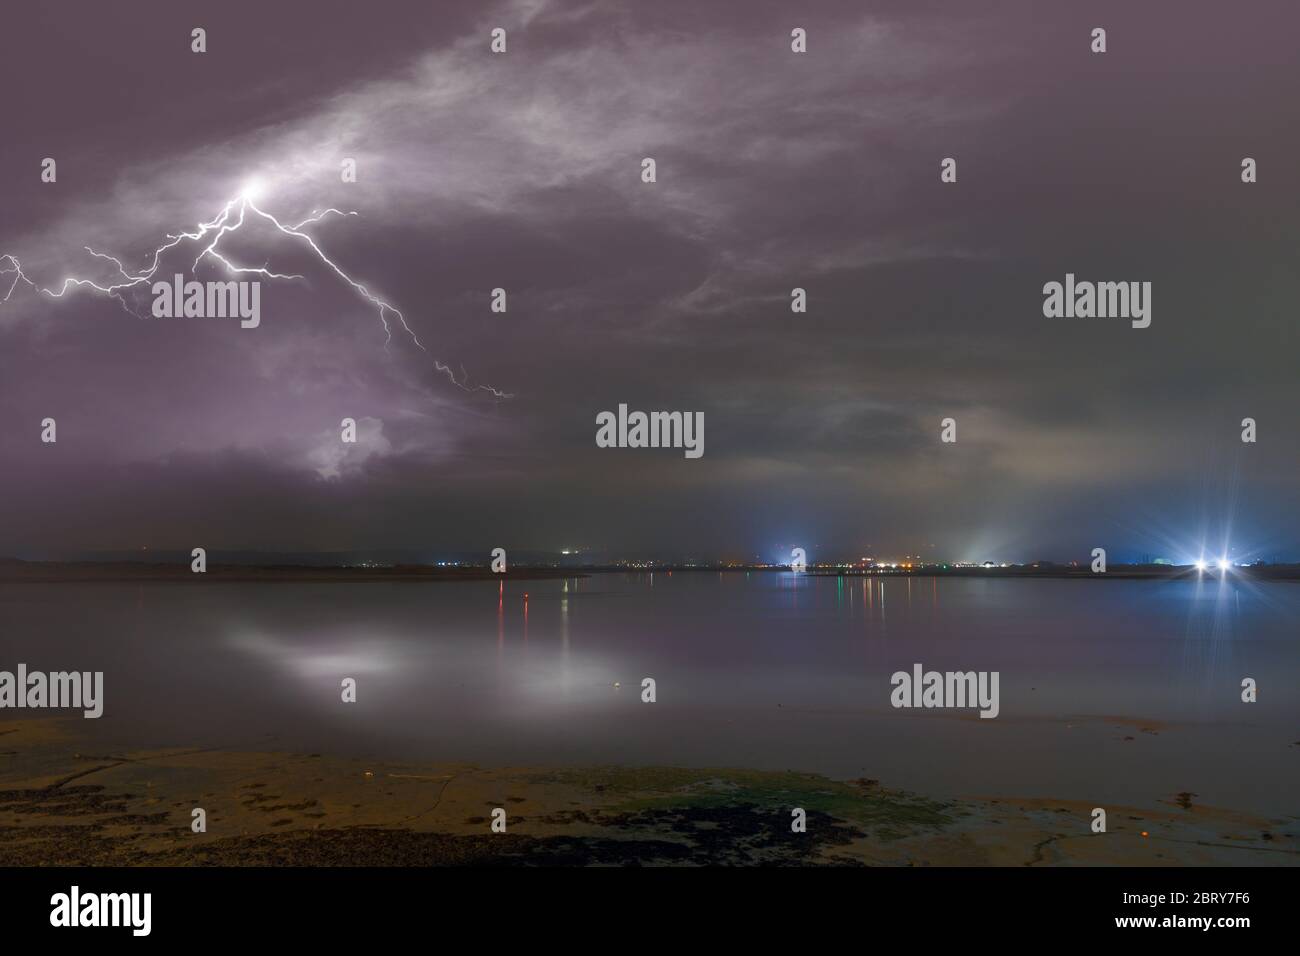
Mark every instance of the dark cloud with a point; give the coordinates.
(775, 171)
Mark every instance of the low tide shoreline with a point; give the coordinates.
(63, 803)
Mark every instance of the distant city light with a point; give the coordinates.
(1224, 564)
(1200, 564)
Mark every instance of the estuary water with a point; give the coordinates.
(1115, 691)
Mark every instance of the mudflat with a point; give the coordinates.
(62, 803)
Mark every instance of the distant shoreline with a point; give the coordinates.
(58, 572)
(96, 572)
(1158, 572)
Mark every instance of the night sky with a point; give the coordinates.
(775, 170)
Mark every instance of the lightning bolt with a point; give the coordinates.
(230, 219)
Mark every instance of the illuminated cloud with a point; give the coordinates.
(520, 171)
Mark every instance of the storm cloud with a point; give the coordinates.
(775, 170)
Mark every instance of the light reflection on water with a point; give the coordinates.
(1116, 690)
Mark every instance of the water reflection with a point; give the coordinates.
(749, 674)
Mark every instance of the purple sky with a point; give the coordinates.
(775, 170)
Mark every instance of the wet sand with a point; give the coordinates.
(63, 803)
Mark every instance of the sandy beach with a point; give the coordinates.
(63, 803)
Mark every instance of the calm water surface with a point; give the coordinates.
(761, 670)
